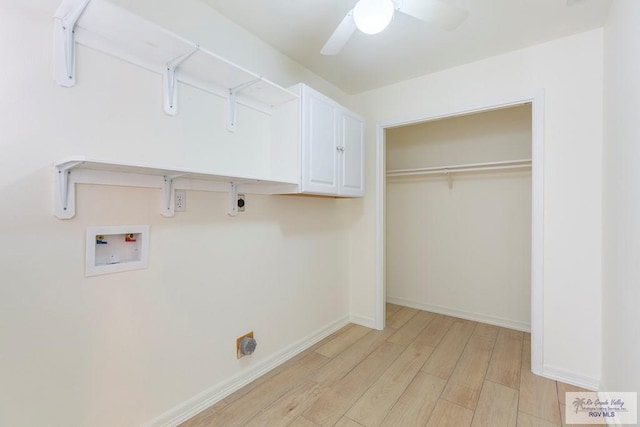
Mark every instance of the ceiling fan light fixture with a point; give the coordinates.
(373, 16)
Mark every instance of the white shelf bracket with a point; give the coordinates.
(64, 194)
(65, 45)
(232, 102)
(170, 82)
(233, 199)
(168, 209)
(168, 205)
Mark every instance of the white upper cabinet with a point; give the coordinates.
(332, 147)
(351, 154)
(319, 143)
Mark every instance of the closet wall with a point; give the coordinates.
(464, 250)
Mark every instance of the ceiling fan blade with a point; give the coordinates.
(435, 12)
(340, 36)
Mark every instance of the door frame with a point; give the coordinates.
(537, 207)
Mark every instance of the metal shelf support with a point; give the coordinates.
(65, 45)
(168, 205)
(64, 192)
(232, 102)
(170, 82)
(168, 209)
(449, 178)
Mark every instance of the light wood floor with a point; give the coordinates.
(424, 369)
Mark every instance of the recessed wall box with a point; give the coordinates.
(117, 248)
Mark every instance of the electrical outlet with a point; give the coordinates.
(239, 340)
(180, 200)
(241, 203)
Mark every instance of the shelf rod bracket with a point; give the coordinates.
(65, 42)
(232, 102)
(64, 209)
(170, 82)
(449, 178)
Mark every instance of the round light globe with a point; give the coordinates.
(373, 16)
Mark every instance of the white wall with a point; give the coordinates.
(488, 136)
(569, 70)
(122, 349)
(464, 250)
(621, 294)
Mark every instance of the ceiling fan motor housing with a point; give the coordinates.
(373, 16)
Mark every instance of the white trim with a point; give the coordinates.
(569, 377)
(212, 395)
(490, 105)
(468, 315)
(368, 322)
(537, 232)
(537, 206)
(380, 313)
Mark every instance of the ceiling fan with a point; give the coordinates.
(373, 16)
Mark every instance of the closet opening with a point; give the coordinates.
(459, 227)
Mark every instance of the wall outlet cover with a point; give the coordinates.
(180, 198)
(241, 202)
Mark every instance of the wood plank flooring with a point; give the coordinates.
(424, 369)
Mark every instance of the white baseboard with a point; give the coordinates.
(477, 317)
(363, 321)
(211, 396)
(569, 377)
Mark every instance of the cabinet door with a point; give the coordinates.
(351, 150)
(320, 128)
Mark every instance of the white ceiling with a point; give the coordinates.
(408, 47)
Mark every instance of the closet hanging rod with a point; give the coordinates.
(471, 167)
